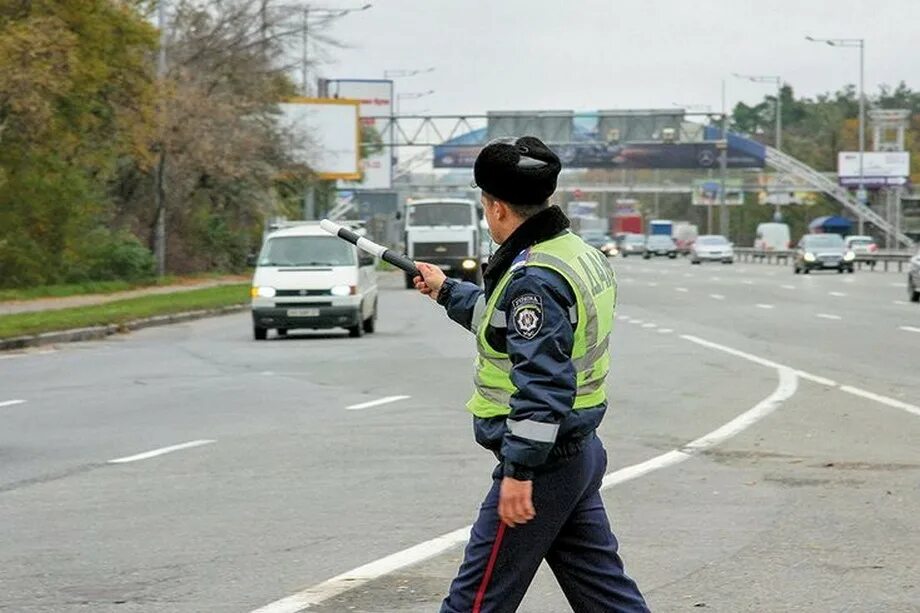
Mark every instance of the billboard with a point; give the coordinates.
(376, 98)
(323, 134)
(707, 192)
(880, 168)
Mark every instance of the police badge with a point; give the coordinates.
(527, 313)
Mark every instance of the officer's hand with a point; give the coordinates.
(430, 281)
(515, 503)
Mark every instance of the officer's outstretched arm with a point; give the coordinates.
(539, 342)
(464, 301)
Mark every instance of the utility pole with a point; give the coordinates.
(159, 192)
(723, 166)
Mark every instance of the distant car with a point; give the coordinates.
(632, 244)
(863, 247)
(712, 248)
(913, 278)
(822, 252)
(660, 244)
(601, 241)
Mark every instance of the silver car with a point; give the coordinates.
(712, 248)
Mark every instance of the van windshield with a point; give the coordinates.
(440, 214)
(307, 251)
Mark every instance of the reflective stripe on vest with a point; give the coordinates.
(593, 283)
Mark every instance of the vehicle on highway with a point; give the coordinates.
(307, 279)
(863, 246)
(632, 244)
(601, 241)
(660, 244)
(712, 248)
(913, 278)
(823, 252)
(772, 236)
(444, 232)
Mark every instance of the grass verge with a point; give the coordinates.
(99, 287)
(121, 311)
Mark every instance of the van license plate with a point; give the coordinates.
(303, 313)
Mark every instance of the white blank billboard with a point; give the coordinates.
(323, 134)
(879, 167)
(376, 98)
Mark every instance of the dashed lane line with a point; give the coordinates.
(828, 316)
(161, 451)
(375, 403)
(717, 296)
(764, 306)
(11, 403)
(837, 294)
(909, 328)
(682, 290)
(787, 286)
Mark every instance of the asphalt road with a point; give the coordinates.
(806, 502)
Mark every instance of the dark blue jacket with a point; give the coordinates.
(542, 369)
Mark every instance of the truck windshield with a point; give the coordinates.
(307, 251)
(440, 214)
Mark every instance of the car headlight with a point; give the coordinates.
(342, 290)
(262, 292)
(810, 257)
(849, 257)
(469, 264)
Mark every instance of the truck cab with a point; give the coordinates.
(444, 232)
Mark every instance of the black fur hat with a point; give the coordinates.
(520, 171)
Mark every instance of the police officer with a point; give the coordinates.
(542, 330)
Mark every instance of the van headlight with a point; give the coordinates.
(342, 290)
(469, 264)
(849, 257)
(262, 291)
(809, 257)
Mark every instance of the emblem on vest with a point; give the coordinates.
(527, 313)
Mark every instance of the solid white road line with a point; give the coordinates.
(717, 296)
(349, 580)
(162, 450)
(764, 306)
(374, 403)
(909, 329)
(683, 290)
(827, 316)
(10, 403)
(838, 294)
(891, 402)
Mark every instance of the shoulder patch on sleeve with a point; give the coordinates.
(527, 314)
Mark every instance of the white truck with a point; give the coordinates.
(444, 232)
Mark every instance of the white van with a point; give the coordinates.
(306, 278)
(772, 237)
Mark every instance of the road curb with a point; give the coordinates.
(98, 332)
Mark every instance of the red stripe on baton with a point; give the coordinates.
(481, 594)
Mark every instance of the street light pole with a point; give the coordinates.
(861, 44)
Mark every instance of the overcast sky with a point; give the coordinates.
(617, 54)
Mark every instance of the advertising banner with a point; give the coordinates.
(376, 98)
(706, 192)
(323, 134)
(880, 168)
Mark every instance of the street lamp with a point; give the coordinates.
(859, 43)
(400, 72)
(778, 107)
(411, 96)
(327, 13)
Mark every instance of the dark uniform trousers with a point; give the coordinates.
(570, 531)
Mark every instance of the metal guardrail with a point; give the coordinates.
(883, 260)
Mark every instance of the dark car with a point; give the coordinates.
(600, 241)
(660, 244)
(913, 278)
(822, 252)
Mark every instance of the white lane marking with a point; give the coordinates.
(650, 325)
(349, 580)
(909, 329)
(717, 296)
(764, 306)
(26, 354)
(652, 284)
(838, 294)
(623, 317)
(758, 360)
(828, 316)
(787, 286)
(683, 290)
(635, 322)
(897, 285)
(715, 278)
(900, 302)
(747, 282)
(10, 403)
(891, 402)
(375, 403)
(162, 450)
(665, 330)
